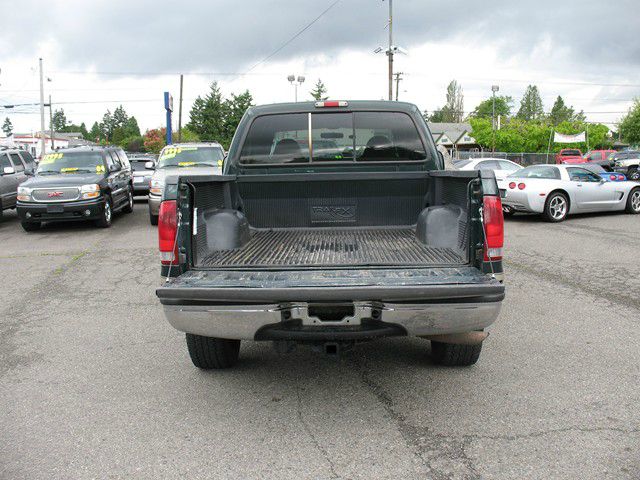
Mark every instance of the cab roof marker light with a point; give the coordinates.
(332, 104)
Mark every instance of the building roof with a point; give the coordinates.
(451, 133)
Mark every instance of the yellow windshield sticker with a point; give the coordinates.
(171, 152)
(68, 170)
(219, 163)
(51, 158)
(186, 164)
(100, 169)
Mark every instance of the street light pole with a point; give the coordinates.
(390, 51)
(42, 147)
(494, 89)
(295, 82)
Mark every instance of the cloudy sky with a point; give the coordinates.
(99, 54)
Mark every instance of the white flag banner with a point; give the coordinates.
(562, 138)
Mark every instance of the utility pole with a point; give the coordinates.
(51, 132)
(398, 76)
(41, 111)
(390, 51)
(180, 112)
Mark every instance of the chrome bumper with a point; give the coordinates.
(243, 321)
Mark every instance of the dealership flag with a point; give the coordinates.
(561, 138)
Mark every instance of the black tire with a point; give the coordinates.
(454, 355)
(633, 202)
(551, 207)
(128, 208)
(633, 173)
(30, 226)
(153, 219)
(107, 214)
(210, 352)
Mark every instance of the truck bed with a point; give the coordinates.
(323, 247)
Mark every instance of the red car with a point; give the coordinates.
(569, 155)
(600, 157)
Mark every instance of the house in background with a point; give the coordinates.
(454, 137)
(31, 141)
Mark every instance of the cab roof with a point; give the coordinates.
(307, 107)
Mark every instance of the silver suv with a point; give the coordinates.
(15, 166)
(626, 162)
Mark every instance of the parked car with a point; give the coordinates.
(606, 175)
(82, 183)
(16, 166)
(626, 162)
(186, 159)
(569, 156)
(369, 238)
(599, 157)
(142, 167)
(556, 191)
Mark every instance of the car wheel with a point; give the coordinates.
(210, 352)
(633, 202)
(153, 219)
(633, 173)
(129, 207)
(455, 355)
(107, 213)
(556, 207)
(30, 226)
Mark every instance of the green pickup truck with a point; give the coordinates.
(332, 223)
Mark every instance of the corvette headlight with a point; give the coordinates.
(24, 194)
(90, 191)
(156, 187)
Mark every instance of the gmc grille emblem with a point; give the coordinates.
(55, 194)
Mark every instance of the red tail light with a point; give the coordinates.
(493, 228)
(167, 230)
(512, 185)
(521, 186)
(621, 177)
(612, 178)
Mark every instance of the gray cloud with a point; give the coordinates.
(227, 35)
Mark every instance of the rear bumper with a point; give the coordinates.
(245, 304)
(41, 212)
(268, 322)
(522, 201)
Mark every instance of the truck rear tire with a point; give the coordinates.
(30, 226)
(212, 353)
(455, 355)
(153, 219)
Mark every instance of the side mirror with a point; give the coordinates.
(29, 171)
(150, 165)
(113, 168)
(8, 171)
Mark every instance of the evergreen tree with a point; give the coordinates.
(453, 111)
(95, 133)
(7, 127)
(319, 91)
(531, 105)
(234, 109)
(59, 121)
(207, 115)
(485, 107)
(560, 112)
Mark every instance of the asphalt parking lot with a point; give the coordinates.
(94, 383)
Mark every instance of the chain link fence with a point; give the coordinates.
(524, 159)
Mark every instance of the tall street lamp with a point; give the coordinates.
(295, 82)
(494, 89)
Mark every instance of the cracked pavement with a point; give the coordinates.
(94, 383)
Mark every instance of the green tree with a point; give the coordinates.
(133, 144)
(106, 126)
(95, 133)
(59, 120)
(504, 104)
(207, 115)
(453, 110)
(560, 112)
(319, 91)
(531, 107)
(187, 135)
(7, 127)
(234, 109)
(630, 124)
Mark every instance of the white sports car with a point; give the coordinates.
(556, 191)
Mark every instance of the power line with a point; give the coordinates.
(300, 32)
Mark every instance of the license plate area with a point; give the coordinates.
(55, 209)
(331, 314)
(138, 179)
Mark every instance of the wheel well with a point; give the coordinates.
(564, 192)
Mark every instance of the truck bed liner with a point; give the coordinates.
(332, 247)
